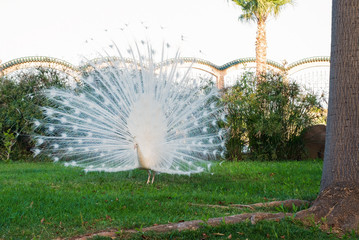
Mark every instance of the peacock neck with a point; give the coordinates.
(141, 159)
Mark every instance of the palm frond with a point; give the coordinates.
(260, 9)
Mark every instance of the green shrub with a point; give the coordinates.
(266, 119)
(20, 101)
(9, 141)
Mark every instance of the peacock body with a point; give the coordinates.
(133, 113)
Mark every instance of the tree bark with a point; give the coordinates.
(261, 48)
(338, 200)
(342, 139)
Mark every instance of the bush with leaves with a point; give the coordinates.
(266, 118)
(20, 101)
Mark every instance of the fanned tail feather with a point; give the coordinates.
(171, 117)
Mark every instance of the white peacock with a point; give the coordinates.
(134, 113)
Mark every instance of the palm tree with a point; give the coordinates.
(259, 11)
(338, 200)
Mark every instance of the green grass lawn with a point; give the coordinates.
(46, 200)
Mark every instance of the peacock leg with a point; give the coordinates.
(153, 176)
(149, 176)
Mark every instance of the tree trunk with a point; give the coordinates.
(261, 48)
(342, 140)
(338, 200)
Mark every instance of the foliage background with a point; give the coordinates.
(21, 99)
(266, 119)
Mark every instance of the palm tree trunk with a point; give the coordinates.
(342, 140)
(261, 48)
(338, 200)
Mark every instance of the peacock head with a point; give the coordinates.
(135, 144)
